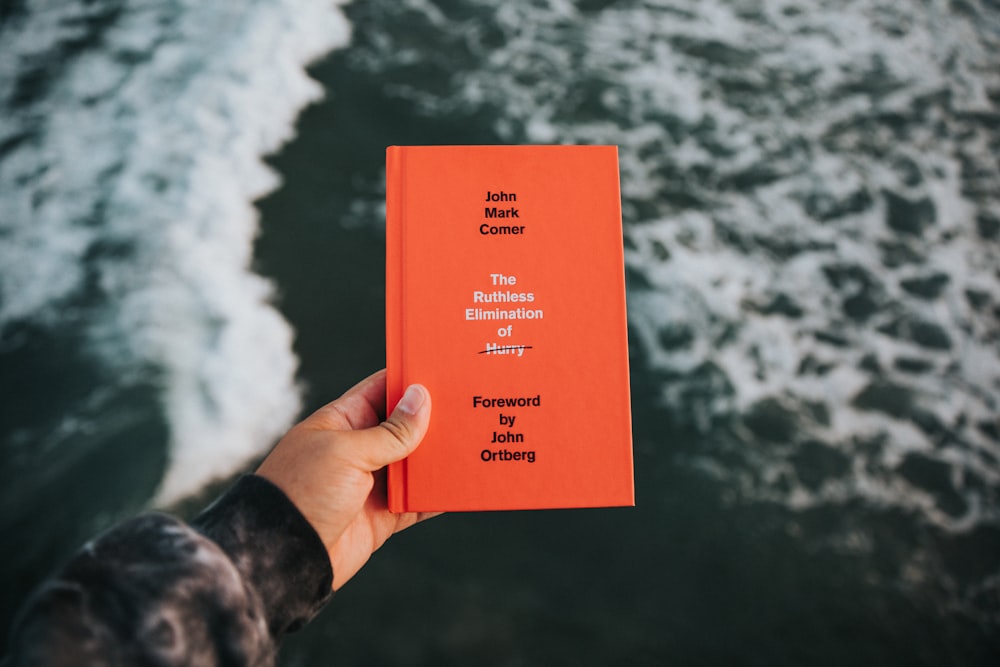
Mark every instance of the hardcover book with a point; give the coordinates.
(505, 297)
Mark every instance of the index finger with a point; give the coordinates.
(361, 406)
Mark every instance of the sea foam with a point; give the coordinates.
(812, 231)
(129, 172)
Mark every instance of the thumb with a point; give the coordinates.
(397, 437)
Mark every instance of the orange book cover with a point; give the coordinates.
(505, 297)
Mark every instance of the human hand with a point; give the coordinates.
(331, 466)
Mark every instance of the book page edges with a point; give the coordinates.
(396, 473)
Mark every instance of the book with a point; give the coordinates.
(505, 297)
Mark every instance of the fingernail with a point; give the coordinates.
(412, 399)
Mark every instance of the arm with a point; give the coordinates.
(253, 566)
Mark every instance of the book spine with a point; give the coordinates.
(396, 474)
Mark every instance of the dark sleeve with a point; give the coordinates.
(155, 591)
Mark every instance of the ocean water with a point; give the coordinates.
(811, 200)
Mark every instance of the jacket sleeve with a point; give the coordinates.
(156, 591)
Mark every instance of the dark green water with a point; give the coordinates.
(700, 572)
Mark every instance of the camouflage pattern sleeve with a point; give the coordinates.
(156, 591)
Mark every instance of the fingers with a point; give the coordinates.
(370, 391)
(361, 406)
(359, 410)
(396, 437)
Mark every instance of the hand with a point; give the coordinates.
(332, 467)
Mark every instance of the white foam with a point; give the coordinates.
(155, 142)
(807, 104)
